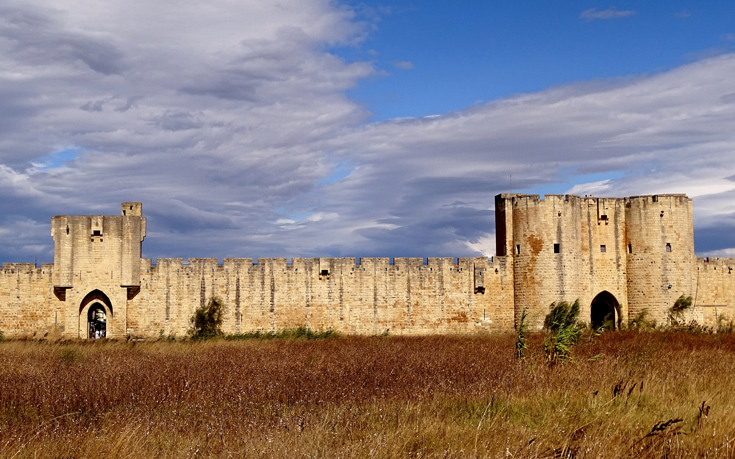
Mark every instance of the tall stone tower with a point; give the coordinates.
(97, 265)
(660, 252)
(617, 256)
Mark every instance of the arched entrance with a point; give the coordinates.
(604, 311)
(96, 308)
(97, 321)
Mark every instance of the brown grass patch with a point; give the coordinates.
(624, 394)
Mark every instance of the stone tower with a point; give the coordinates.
(660, 252)
(97, 265)
(617, 256)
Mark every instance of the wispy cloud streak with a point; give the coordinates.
(594, 14)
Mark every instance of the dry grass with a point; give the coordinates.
(624, 394)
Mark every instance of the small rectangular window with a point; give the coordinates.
(518, 249)
(603, 249)
(668, 247)
(556, 248)
(97, 233)
(630, 248)
(324, 272)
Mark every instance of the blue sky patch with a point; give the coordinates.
(57, 159)
(341, 170)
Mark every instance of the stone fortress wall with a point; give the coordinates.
(616, 255)
(369, 296)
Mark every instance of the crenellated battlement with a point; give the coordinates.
(27, 268)
(416, 264)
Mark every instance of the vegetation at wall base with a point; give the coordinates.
(562, 330)
(521, 340)
(207, 319)
(641, 322)
(725, 324)
(676, 312)
(288, 333)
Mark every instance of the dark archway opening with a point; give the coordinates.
(95, 300)
(604, 311)
(97, 320)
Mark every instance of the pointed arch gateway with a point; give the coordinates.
(605, 311)
(95, 311)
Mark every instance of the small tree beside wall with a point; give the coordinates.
(207, 320)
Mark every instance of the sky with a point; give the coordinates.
(303, 128)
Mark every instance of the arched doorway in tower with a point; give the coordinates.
(604, 311)
(97, 321)
(95, 316)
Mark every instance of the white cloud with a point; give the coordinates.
(599, 188)
(724, 253)
(594, 14)
(484, 245)
(322, 216)
(403, 65)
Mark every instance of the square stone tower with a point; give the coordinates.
(97, 261)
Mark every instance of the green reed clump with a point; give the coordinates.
(562, 330)
(521, 340)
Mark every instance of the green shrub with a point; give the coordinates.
(676, 312)
(608, 323)
(641, 321)
(724, 325)
(207, 320)
(562, 330)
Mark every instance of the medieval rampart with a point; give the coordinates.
(369, 296)
(26, 294)
(713, 290)
(618, 256)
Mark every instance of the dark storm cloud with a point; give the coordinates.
(712, 239)
(435, 235)
(227, 86)
(182, 218)
(178, 121)
(35, 38)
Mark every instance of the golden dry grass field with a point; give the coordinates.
(624, 394)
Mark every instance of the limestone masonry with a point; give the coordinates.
(618, 256)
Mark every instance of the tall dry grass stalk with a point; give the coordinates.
(644, 395)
